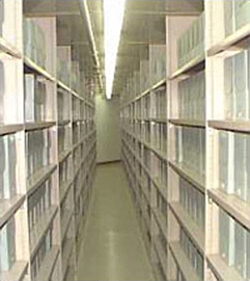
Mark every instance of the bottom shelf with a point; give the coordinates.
(48, 265)
(161, 254)
(158, 272)
(222, 270)
(66, 256)
(70, 274)
(9, 206)
(183, 262)
(17, 272)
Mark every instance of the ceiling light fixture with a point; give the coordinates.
(113, 19)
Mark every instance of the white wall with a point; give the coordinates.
(107, 125)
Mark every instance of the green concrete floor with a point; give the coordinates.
(112, 248)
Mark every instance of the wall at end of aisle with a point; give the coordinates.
(107, 125)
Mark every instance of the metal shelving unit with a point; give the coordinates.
(39, 206)
(195, 219)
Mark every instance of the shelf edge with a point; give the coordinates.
(232, 205)
(33, 184)
(183, 262)
(189, 225)
(10, 129)
(222, 270)
(237, 126)
(197, 183)
(7, 214)
(188, 123)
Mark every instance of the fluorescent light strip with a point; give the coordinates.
(84, 4)
(113, 19)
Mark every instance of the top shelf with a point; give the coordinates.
(7, 48)
(242, 126)
(152, 88)
(10, 129)
(36, 68)
(237, 40)
(158, 84)
(222, 270)
(63, 86)
(39, 70)
(146, 92)
(190, 68)
(66, 88)
(188, 123)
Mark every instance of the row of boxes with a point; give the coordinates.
(69, 274)
(76, 108)
(77, 184)
(234, 244)
(236, 15)
(158, 169)
(234, 164)
(79, 207)
(63, 138)
(81, 129)
(151, 71)
(190, 45)
(193, 201)
(38, 145)
(34, 42)
(80, 110)
(63, 105)
(8, 167)
(76, 157)
(158, 104)
(146, 156)
(44, 248)
(75, 76)
(237, 86)
(192, 253)
(65, 206)
(155, 166)
(39, 203)
(179, 275)
(89, 112)
(145, 180)
(191, 97)
(144, 73)
(63, 71)
(133, 111)
(153, 133)
(68, 72)
(162, 206)
(66, 244)
(158, 138)
(153, 105)
(137, 107)
(191, 149)
(138, 127)
(157, 63)
(2, 90)
(133, 86)
(163, 242)
(65, 170)
(145, 131)
(77, 133)
(7, 245)
(35, 98)
(2, 6)
(158, 267)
